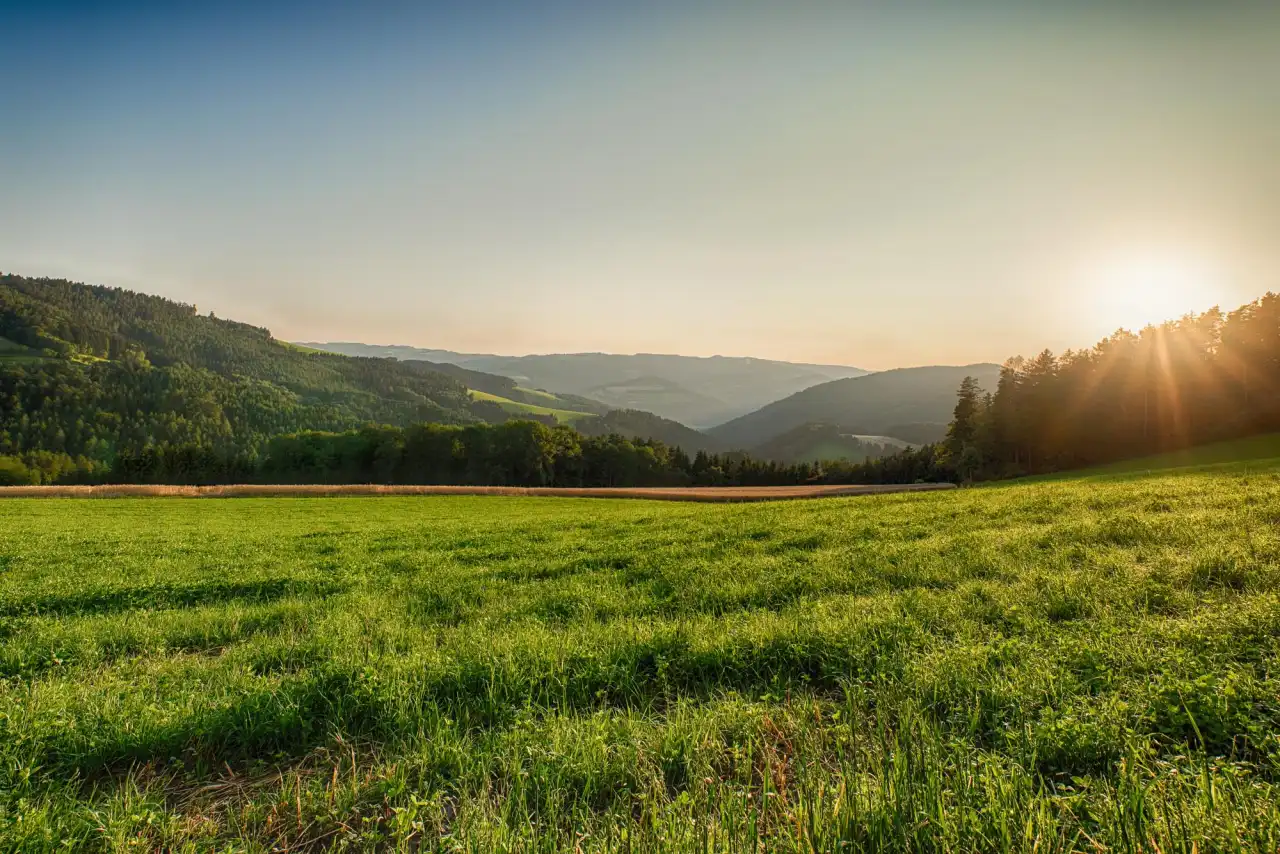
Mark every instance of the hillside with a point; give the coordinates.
(871, 404)
(505, 390)
(524, 409)
(93, 371)
(635, 424)
(693, 390)
(810, 443)
(1242, 454)
(104, 369)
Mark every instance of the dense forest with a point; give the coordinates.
(103, 384)
(95, 372)
(100, 384)
(515, 453)
(1198, 379)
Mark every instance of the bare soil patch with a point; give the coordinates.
(699, 493)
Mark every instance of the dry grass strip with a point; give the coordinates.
(698, 493)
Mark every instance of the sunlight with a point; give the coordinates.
(1134, 291)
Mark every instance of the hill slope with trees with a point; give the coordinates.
(98, 380)
(635, 424)
(692, 390)
(873, 404)
(104, 370)
(1195, 380)
(814, 443)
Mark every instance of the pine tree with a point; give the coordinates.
(964, 422)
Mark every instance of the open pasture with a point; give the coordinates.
(1069, 665)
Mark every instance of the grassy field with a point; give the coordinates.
(1261, 450)
(564, 416)
(550, 398)
(1072, 665)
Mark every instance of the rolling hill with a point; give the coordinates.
(523, 409)
(635, 424)
(91, 371)
(514, 397)
(693, 390)
(872, 404)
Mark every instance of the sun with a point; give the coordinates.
(1135, 291)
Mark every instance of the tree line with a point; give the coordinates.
(94, 408)
(515, 453)
(1202, 378)
(95, 371)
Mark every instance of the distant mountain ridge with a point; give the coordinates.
(700, 391)
(873, 404)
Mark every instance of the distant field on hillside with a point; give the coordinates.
(564, 416)
(537, 392)
(1039, 666)
(12, 351)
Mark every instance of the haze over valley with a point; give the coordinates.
(700, 392)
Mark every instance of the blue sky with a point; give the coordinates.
(855, 183)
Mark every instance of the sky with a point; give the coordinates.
(868, 184)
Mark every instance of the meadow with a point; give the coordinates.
(515, 407)
(1073, 664)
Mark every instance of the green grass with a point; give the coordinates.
(539, 393)
(1073, 665)
(564, 416)
(1262, 448)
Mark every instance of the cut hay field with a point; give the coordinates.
(1071, 665)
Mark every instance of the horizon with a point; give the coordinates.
(607, 353)
(849, 187)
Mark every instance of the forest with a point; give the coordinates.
(514, 453)
(1201, 378)
(101, 384)
(96, 371)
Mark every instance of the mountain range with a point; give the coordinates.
(93, 371)
(698, 391)
(786, 411)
